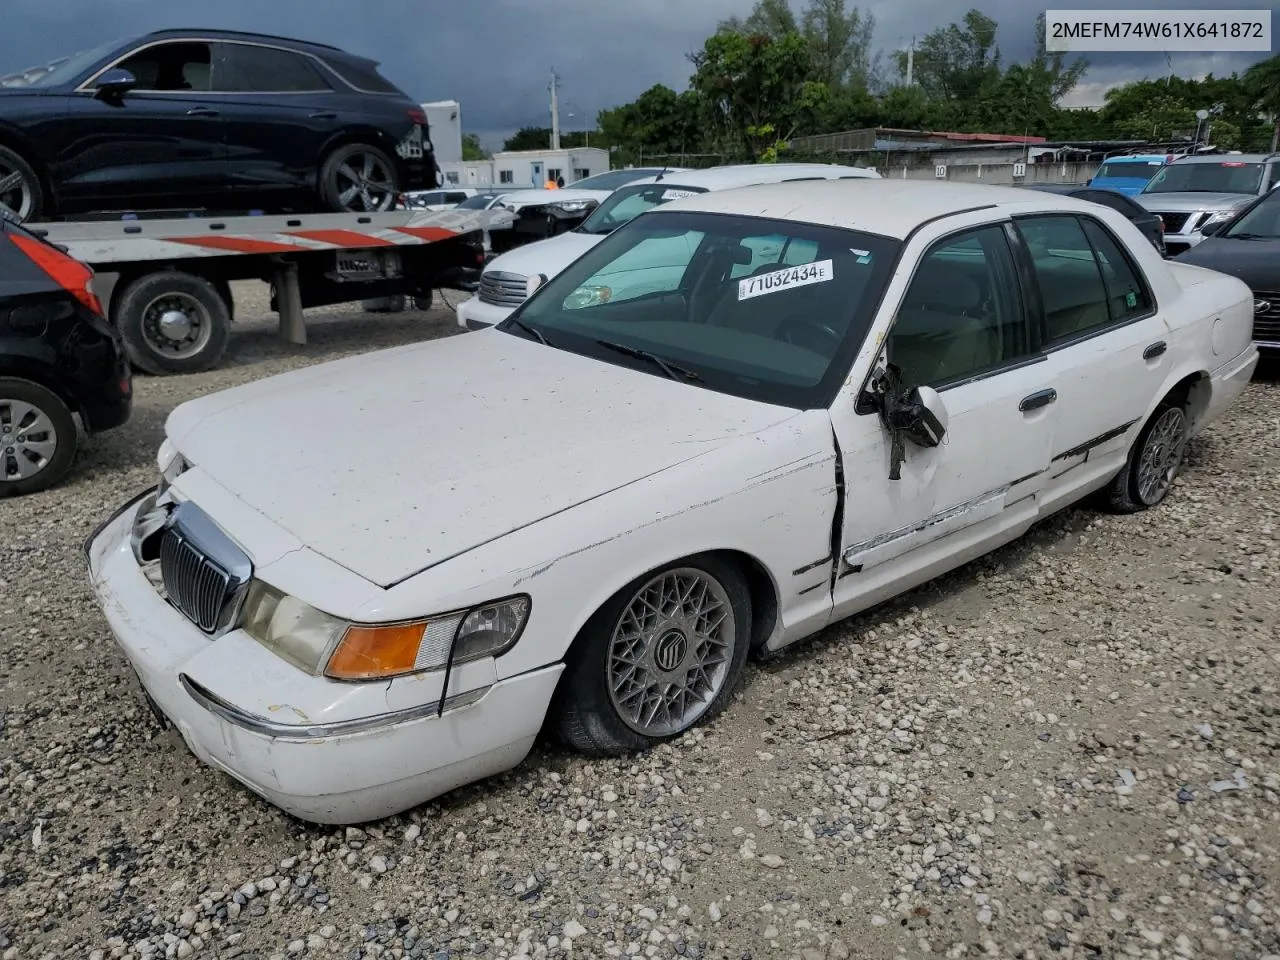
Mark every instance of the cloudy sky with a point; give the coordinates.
(495, 56)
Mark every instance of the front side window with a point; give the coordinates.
(1084, 288)
(627, 203)
(172, 67)
(963, 313)
(671, 284)
(245, 68)
(1226, 176)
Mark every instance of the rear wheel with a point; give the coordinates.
(173, 322)
(37, 437)
(1153, 463)
(20, 190)
(359, 178)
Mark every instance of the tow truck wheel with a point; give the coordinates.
(173, 322)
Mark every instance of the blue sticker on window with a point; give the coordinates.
(1131, 299)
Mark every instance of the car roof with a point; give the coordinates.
(1229, 158)
(746, 174)
(888, 207)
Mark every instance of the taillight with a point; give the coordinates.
(418, 116)
(67, 272)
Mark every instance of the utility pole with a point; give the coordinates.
(555, 111)
(911, 61)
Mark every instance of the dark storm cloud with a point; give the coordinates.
(495, 56)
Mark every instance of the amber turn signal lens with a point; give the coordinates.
(366, 653)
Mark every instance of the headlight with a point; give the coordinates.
(317, 643)
(590, 296)
(170, 463)
(1222, 215)
(573, 206)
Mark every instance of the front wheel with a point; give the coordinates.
(1153, 463)
(359, 178)
(664, 654)
(37, 437)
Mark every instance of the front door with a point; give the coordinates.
(962, 327)
(159, 146)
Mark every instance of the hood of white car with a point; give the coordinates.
(395, 461)
(1191, 202)
(548, 256)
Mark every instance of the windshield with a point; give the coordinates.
(765, 309)
(613, 179)
(1226, 176)
(60, 71)
(628, 203)
(1131, 170)
(1260, 223)
(479, 202)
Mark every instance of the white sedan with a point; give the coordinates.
(362, 584)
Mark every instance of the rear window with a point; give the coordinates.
(363, 76)
(1128, 170)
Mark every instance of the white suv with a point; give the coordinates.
(505, 283)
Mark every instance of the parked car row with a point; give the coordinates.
(738, 417)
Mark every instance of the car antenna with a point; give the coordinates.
(658, 179)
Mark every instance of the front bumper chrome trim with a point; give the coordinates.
(289, 731)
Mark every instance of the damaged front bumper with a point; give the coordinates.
(322, 751)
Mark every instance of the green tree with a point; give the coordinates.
(529, 138)
(471, 149)
(959, 62)
(753, 83)
(1261, 83)
(771, 18)
(839, 42)
(658, 121)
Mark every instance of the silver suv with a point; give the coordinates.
(1193, 192)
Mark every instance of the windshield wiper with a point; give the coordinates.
(1250, 236)
(535, 333)
(673, 370)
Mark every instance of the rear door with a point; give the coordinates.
(279, 110)
(1106, 342)
(161, 144)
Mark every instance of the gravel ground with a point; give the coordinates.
(1068, 749)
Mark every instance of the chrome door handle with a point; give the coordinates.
(202, 112)
(1041, 398)
(1155, 350)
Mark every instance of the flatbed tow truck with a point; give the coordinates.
(164, 280)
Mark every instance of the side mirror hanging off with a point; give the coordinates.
(916, 414)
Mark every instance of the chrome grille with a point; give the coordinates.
(1266, 316)
(502, 289)
(204, 573)
(1174, 222)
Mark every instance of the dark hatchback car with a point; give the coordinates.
(1151, 225)
(208, 119)
(1248, 247)
(58, 359)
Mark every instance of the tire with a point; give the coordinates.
(1154, 461)
(424, 301)
(173, 322)
(592, 719)
(351, 167)
(33, 459)
(25, 198)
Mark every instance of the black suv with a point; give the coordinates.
(58, 358)
(208, 119)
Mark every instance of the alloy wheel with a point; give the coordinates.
(1161, 456)
(17, 193)
(670, 652)
(365, 184)
(28, 439)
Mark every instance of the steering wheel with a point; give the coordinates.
(809, 334)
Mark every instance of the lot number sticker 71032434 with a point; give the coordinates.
(801, 276)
